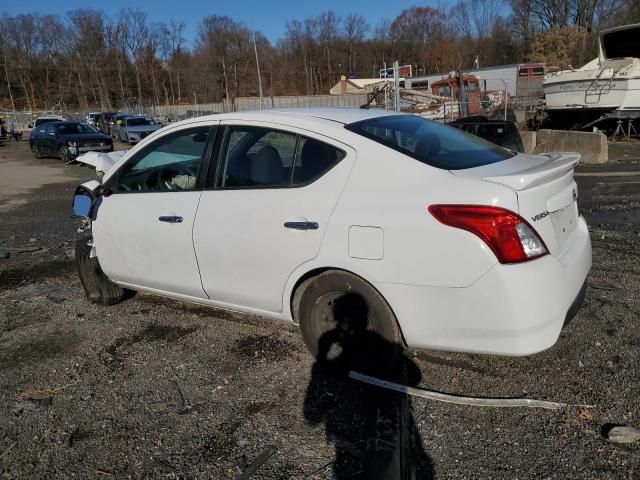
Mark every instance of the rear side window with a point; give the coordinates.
(255, 157)
(429, 142)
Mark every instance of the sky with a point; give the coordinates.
(268, 17)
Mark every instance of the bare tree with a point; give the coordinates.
(134, 31)
(355, 28)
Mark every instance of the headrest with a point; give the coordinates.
(266, 167)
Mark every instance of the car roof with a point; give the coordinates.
(328, 117)
(63, 122)
(342, 115)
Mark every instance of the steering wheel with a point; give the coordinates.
(165, 177)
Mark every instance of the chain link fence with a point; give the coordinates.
(172, 113)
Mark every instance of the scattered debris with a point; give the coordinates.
(623, 434)
(257, 463)
(72, 436)
(3, 454)
(460, 400)
(321, 470)
(183, 407)
(23, 249)
(585, 414)
(30, 405)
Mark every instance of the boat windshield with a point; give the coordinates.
(622, 43)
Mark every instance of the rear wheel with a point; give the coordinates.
(346, 323)
(35, 150)
(97, 286)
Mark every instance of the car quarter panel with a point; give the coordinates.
(511, 310)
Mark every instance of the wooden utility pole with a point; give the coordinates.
(255, 48)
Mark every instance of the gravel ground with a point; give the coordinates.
(156, 388)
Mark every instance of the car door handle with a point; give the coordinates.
(297, 225)
(170, 219)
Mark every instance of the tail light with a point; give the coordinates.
(508, 235)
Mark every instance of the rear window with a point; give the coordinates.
(40, 121)
(429, 142)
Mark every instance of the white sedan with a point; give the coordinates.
(349, 222)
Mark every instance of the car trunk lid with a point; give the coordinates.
(547, 193)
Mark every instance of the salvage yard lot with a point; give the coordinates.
(159, 388)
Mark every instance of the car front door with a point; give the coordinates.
(50, 140)
(38, 138)
(143, 229)
(267, 212)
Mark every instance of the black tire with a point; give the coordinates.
(97, 286)
(64, 154)
(346, 323)
(35, 150)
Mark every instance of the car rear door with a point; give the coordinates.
(266, 214)
(143, 230)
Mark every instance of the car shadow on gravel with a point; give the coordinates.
(373, 429)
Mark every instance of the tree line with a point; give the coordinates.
(88, 60)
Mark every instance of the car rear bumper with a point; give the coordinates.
(511, 310)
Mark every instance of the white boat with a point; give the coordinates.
(607, 85)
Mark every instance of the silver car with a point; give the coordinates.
(134, 129)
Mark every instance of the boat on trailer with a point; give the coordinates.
(603, 92)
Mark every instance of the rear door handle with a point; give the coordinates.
(170, 219)
(298, 225)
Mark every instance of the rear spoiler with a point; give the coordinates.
(557, 166)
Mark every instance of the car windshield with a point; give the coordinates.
(73, 128)
(429, 142)
(136, 122)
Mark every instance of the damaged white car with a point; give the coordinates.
(423, 234)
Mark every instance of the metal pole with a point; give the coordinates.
(255, 48)
(506, 96)
(396, 84)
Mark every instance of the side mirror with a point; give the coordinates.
(82, 204)
(30, 126)
(84, 199)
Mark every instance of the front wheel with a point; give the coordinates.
(346, 323)
(97, 286)
(35, 150)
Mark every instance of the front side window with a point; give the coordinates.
(538, 72)
(171, 163)
(254, 157)
(429, 142)
(73, 128)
